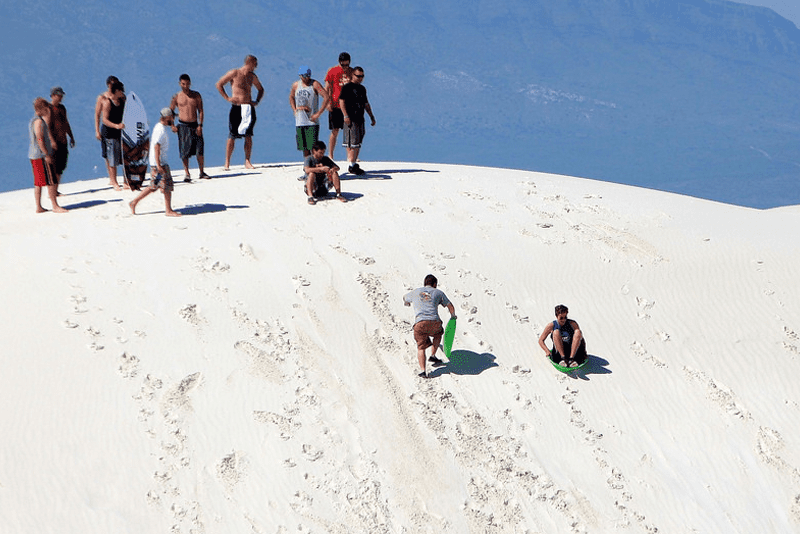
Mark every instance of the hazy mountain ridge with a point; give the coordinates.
(693, 83)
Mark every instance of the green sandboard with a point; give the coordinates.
(567, 369)
(449, 335)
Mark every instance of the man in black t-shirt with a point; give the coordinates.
(353, 101)
(321, 172)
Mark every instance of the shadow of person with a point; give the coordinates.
(594, 366)
(465, 362)
(197, 209)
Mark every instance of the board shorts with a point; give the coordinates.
(113, 150)
(60, 156)
(580, 354)
(321, 186)
(103, 148)
(354, 134)
(335, 119)
(424, 330)
(189, 143)
(306, 136)
(43, 173)
(241, 121)
(162, 181)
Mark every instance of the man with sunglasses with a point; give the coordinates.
(336, 78)
(569, 347)
(353, 101)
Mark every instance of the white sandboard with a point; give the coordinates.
(135, 138)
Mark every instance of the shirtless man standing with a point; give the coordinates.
(60, 129)
(190, 125)
(242, 117)
(98, 110)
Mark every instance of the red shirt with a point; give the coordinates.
(337, 78)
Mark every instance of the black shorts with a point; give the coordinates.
(60, 156)
(335, 119)
(237, 123)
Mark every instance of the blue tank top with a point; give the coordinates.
(566, 331)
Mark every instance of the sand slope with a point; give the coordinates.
(249, 366)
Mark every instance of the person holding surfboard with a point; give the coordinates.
(569, 347)
(427, 324)
(242, 117)
(111, 128)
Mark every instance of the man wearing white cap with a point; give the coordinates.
(159, 169)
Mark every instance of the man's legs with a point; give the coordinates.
(248, 148)
(337, 185)
(228, 152)
(186, 167)
(168, 205)
(332, 142)
(52, 191)
(146, 191)
(37, 196)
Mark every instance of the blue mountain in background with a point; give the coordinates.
(697, 97)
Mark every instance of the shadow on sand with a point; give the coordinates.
(89, 204)
(594, 366)
(197, 209)
(465, 362)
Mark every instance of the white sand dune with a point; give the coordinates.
(249, 366)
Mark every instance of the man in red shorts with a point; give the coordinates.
(40, 153)
(427, 324)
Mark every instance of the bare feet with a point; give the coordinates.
(173, 214)
(248, 165)
(40, 210)
(132, 204)
(59, 209)
(116, 186)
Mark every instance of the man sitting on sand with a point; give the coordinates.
(320, 172)
(162, 178)
(427, 324)
(567, 339)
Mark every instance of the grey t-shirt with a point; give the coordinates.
(426, 301)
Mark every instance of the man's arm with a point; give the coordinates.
(158, 158)
(38, 130)
(260, 88)
(325, 100)
(227, 78)
(174, 102)
(68, 129)
(200, 114)
(98, 109)
(547, 331)
(344, 110)
(452, 310)
(292, 102)
(369, 110)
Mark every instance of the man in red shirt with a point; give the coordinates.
(336, 78)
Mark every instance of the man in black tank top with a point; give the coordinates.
(111, 130)
(569, 347)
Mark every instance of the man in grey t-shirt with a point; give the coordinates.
(427, 324)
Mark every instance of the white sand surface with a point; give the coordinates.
(249, 367)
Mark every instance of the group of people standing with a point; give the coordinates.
(343, 96)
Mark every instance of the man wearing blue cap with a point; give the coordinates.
(304, 100)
